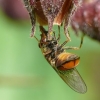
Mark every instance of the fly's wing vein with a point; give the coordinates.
(73, 79)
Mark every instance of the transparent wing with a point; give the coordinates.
(73, 79)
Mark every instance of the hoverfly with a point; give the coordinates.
(63, 63)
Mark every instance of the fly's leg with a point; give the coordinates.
(63, 44)
(43, 30)
(58, 38)
(76, 48)
(36, 39)
(58, 34)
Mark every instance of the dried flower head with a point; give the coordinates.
(14, 9)
(87, 19)
(51, 12)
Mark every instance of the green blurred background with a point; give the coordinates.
(26, 75)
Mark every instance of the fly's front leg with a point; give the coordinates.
(30, 9)
(58, 33)
(36, 39)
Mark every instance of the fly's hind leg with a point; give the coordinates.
(76, 48)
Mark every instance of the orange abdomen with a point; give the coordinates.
(67, 61)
